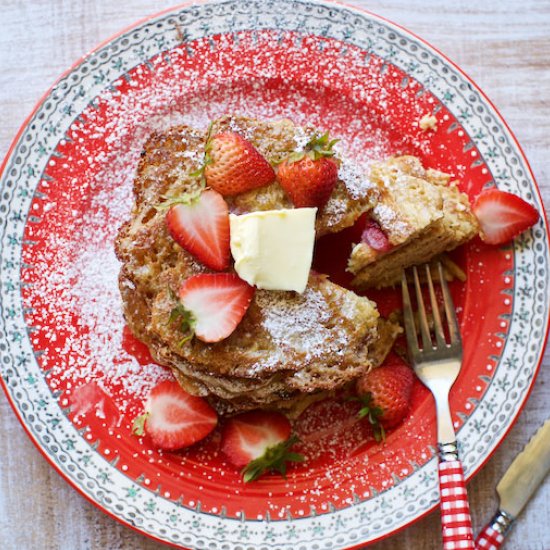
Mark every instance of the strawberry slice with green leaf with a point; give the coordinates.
(175, 419)
(502, 215)
(211, 305)
(259, 442)
(199, 223)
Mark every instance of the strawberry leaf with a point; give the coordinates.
(138, 426)
(275, 458)
(373, 413)
(295, 457)
(207, 159)
(295, 156)
(198, 173)
(186, 319)
(320, 146)
(209, 133)
(316, 148)
(187, 199)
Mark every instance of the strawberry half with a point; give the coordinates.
(502, 216)
(374, 237)
(233, 165)
(309, 176)
(385, 393)
(200, 225)
(258, 442)
(174, 418)
(212, 305)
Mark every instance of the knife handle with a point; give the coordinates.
(492, 535)
(456, 522)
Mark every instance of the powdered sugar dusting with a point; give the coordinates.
(355, 177)
(88, 314)
(301, 324)
(389, 218)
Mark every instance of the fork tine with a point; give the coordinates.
(438, 327)
(452, 321)
(408, 316)
(422, 319)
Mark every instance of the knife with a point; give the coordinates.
(516, 487)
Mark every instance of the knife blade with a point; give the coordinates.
(526, 473)
(517, 486)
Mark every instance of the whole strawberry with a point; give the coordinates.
(233, 165)
(309, 176)
(385, 393)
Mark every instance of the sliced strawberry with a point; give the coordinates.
(216, 302)
(309, 176)
(503, 215)
(174, 418)
(374, 237)
(200, 225)
(233, 165)
(259, 441)
(386, 393)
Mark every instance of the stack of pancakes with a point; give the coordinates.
(290, 348)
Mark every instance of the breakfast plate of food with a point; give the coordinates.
(202, 225)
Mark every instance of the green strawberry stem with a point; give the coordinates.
(321, 146)
(138, 426)
(186, 319)
(275, 458)
(187, 199)
(373, 413)
(316, 148)
(207, 159)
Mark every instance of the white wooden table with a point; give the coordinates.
(503, 44)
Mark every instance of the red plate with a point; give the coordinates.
(349, 72)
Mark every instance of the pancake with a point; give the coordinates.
(422, 213)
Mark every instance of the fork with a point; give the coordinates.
(437, 364)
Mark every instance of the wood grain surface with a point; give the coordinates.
(503, 45)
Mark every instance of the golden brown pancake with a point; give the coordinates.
(421, 212)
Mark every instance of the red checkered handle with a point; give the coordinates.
(456, 522)
(492, 536)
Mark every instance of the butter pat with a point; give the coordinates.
(273, 249)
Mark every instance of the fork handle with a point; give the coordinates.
(492, 535)
(456, 522)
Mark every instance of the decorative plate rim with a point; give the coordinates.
(337, 6)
